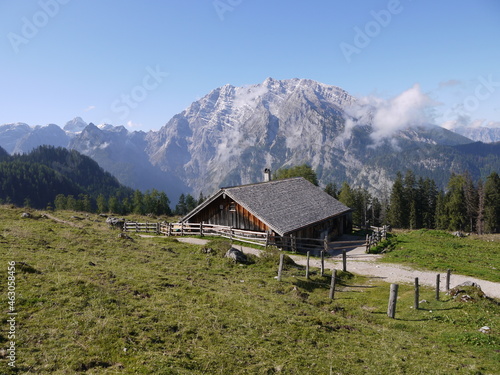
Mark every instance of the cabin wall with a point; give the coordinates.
(331, 228)
(224, 211)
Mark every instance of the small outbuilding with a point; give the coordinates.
(290, 207)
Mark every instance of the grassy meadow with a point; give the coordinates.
(89, 302)
(477, 256)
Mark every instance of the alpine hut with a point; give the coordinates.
(289, 207)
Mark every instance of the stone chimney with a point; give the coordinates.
(267, 175)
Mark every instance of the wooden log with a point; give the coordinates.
(417, 294)
(393, 297)
(322, 263)
(438, 280)
(307, 265)
(344, 261)
(280, 268)
(332, 285)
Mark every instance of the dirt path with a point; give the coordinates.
(360, 263)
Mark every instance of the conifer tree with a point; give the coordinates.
(397, 203)
(102, 205)
(492, 203)
(332, 190)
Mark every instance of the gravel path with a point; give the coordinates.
(360, 263)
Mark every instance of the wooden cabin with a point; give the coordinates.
(290, 207)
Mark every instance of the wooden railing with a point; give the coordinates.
(288, 243)
(142, 227)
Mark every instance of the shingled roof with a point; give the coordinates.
(284, 205)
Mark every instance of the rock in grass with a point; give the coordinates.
(467, 292)
(26, 268)
(115, 222)
(237, 255)
(485, 329)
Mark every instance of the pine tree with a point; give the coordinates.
(181, 208)
(102, 205)
(60, 202)
(397, 203)
(114, 205)
(471, 202)
(71, 203)
(410, 206)
(190, 203)
(164, 204)
(303, 170)
(455, 203)
(201, 198)
(480, 207)
(332, 190)
(137, 203)
(492, 203)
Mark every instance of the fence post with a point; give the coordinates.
(201, 229)
(448, 277)
(280, 269)
(332, 285)
(417, 294)
(267, 239)
(438, 276)
(294, 243)
(169, 229)
(344, 261)
(307, 265)
(367, 244)
(322, 263)
(391, 309)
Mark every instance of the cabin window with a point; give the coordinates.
(232, 207)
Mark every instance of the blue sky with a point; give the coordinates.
(138, 63)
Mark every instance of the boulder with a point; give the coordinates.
(237, 255)
(114, 222)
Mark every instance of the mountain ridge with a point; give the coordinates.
(232, 133)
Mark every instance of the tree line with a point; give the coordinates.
(152, 202)
(416, 203)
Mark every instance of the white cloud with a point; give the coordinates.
(89, 108)
(387, 116)
(133, 125)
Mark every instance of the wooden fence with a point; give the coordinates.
(142, 227)
(378, 234)
(288, 243)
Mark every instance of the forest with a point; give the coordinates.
(60, 179)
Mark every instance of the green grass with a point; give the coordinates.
(477, 256)
(97, 304)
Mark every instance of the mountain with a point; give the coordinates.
(42, 174)
(75, 126)
(232, 134)
(479, 134)
(229, 136)
(51, 135)
(10, 134)
(122, 153)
